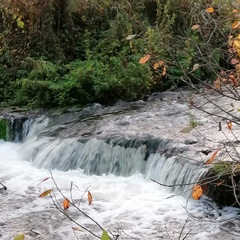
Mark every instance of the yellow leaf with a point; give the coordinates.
(194, 27)
(66, 204)
(212, 157)
(89, 198)
(197, 192)
(19, 237)
(144, 59)
(44, 194)
(158, 64)
(210, 10)
(77, 229)
(105, 236)
(229, 125)
(236, 44)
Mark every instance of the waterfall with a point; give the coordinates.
(116, 156)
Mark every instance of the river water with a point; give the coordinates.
(125, 200)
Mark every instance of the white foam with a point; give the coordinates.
(140, 207)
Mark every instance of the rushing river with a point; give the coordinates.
(125, 200)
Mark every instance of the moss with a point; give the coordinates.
(219, 183)
(3, 127)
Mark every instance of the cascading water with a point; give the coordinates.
(119, 174)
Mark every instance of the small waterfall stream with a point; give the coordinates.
(118, 170)
(98, 156)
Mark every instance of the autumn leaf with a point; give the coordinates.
(212, 157)
(210, 10)
(19, 237)
(234, 61)
(89, 198)
(130, 37)
(229, 125)
(66, 204)
(220, 183)
(164, 71)
(197, 192)
(77, 229)
(158, 64)
(194, 27)
(217, 84)
(195, 67)
(144, 59)
(236, 25)
(105, 236)
(44, 194)
(45, 179)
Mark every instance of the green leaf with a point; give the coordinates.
(105, 236)
(19, 237)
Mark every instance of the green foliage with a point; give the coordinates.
(76, 52)
(3, 129)
(81, 82)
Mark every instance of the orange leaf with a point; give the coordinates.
(144, 59)
(44, 194)
(66, 204)
(194, 27)
(45, 179)
(77, 229)
(217, 84)
(212, 157)
(236, 25)
(89, 198)
(229, 125)
(197, 192)
(210, 10)
(158, 64)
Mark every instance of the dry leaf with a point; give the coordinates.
(77, 229)
(197, 192)
(194, 27)
(195, 67)
(158, 64)
(229, 125)
(210, 10)
(66, 204)
(130, 37)
(44, 194)
(45, 179)
(212, 157)
(220, 183)
(144, 59)
(164, 71)
(236, 25)
(217, 84)
(234, 61)
(89, 198)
